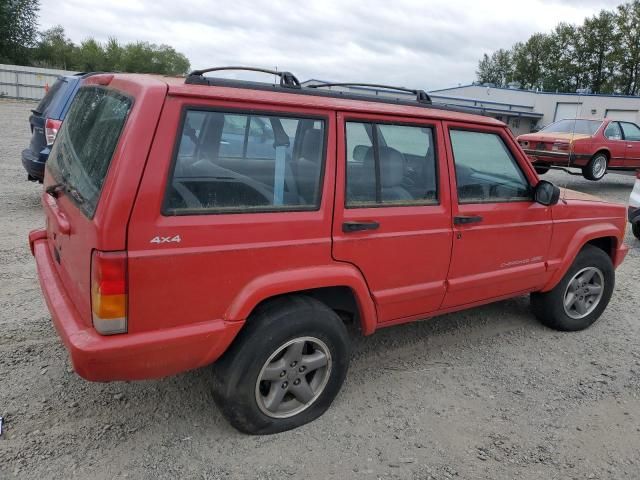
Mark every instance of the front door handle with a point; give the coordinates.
(464, 220)
(348, 227)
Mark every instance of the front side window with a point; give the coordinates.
(486, 171)
(613, 132)
(631, 131)
(82, 152)
(390, 165)
(239, 162)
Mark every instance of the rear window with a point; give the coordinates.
(584, 127)
(82, 152)
(58, 88)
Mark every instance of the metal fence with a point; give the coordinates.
(27, 82)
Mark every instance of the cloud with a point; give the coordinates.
(418, 44)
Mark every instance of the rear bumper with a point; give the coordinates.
(561, 159)
(129, 356)
(34, 163)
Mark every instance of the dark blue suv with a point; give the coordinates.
(45, 121)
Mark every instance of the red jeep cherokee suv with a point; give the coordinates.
(246, 225)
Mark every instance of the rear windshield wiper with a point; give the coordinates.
(77, 196)
(54, 190)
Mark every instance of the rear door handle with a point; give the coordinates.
(348, 227)
(464, 220)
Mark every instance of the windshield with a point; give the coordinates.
(585, 127)
(82, 152)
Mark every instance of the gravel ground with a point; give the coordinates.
(486, 393)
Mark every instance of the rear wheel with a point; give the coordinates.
(596, 169)
(581, 296)
(540, 169)
(285, 368)
(635, 228)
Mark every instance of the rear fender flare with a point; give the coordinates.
(296, 280)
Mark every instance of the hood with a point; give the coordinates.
(568, 194)
(551, 136)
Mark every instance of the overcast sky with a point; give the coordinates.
(425, 44)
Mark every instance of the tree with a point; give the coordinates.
(599, 37)
(18, 30)
(54, 49)
(602, 54)
(627, 47)
(495, 69)
(528, 60)
(89, 56)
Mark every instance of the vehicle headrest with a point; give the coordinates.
(312, 145)
(392, 165)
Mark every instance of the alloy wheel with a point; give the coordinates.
(584, 292)
(293, 377)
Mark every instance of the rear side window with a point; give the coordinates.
(235, 162)
(82, 152)
(486, 171)
(390, 165)
(613, 132)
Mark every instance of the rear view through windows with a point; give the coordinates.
(390, 165)
(236, 162)
(82, 153)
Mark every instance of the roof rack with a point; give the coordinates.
(421, 95)
(287, 79)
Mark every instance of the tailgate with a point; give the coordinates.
(92, 176)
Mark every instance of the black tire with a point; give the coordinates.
(541, 170)
(635, 228)
(549, 307)
(272, 326)
(593, 170)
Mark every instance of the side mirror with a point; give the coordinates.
(546, 193)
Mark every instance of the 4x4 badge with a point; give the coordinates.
(159, 239)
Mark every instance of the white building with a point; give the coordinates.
(549, 107)
(522, 110)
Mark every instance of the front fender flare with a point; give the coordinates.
(560, 266)
(296, 280)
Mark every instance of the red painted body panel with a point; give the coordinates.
(188, 300)
(404, 261)
(129, 356)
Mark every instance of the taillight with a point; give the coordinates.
(109, 292)
(51, 128)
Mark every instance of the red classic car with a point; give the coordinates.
(592, 145)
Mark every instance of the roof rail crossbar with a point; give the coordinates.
(287, 79)
(421, 95)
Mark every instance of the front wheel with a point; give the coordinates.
(541, 169)
(285, 368)
(596, 169)
(635, 228)
(581, 296)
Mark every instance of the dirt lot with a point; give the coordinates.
(487, 393)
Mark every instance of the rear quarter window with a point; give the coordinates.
(82, 152)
